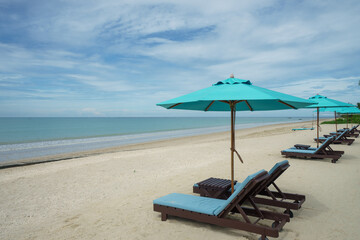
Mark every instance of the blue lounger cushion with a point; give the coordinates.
(191, 203)
(277, 165)
(210, 206)
(300, 150)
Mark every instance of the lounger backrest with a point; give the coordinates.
(243, 190)
(342, 135)
(327, 142)
(355, 128)
(352, 129)
(277, 166)
(276, 171)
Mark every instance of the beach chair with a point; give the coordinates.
(352, 130)
(277, 198)
(216, 211)
(340, 139)
(350, 133)
(356, 130)
(323, 151)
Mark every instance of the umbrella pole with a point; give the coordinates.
(232, 106)
(318, 126)
(335, 122)
(347, 120)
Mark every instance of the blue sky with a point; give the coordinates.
(120, 58)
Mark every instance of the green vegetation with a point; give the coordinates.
(342, 119)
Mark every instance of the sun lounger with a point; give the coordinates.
(323, 151)
(355, 135)
(341, 139)
(351, 132)
(216, 211)
(276, 198)
(356, 130)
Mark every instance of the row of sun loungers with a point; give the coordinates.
(353, 130)
(324, 150)
(340, 138)
(248, 195)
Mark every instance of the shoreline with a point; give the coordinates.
(9, 153)
(92, 131)
(126, 147)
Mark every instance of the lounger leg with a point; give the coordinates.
(164, 216)
(263, 237)
(289, 212)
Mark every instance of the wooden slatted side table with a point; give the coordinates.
(215, 188)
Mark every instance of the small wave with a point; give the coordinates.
(11, 152)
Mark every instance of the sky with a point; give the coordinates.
(119, 58)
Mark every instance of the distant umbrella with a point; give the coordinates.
(234, 95)
(343, 110)
(324, 102)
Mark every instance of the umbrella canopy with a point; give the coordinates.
(247, 97)
(324, 102)
(344, 110)
(234, 95)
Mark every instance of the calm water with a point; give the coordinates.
(34, 137)
(19, 130)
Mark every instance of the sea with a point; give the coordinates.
(24, 138)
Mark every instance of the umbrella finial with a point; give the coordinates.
(232, 75)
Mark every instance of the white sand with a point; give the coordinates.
(109, 196)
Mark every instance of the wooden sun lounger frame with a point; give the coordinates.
(277, 198)
(325, 152)
(289, 201)
(355, 135)
(331, 151)
(235, 207)
(340, 139)
(346, 140)
(356, 130)
(351, 132)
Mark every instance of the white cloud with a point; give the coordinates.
(342, 89)
(104, 84)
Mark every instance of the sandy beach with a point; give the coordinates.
(109, 195)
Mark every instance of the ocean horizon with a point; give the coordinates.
(32, 137)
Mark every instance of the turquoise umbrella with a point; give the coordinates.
(343, 110)
(324, 102)
(234, 95)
